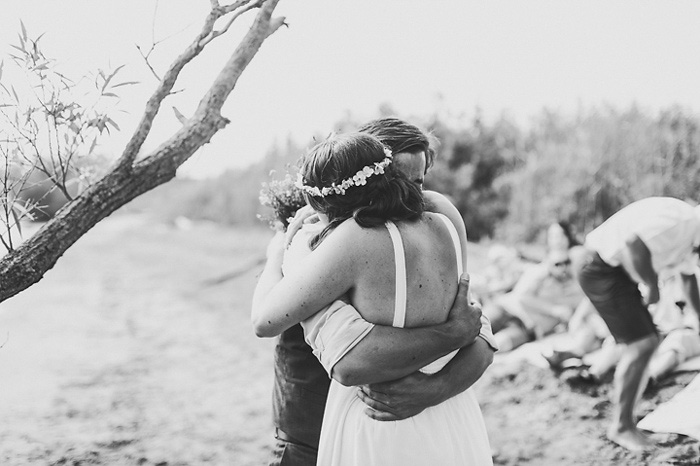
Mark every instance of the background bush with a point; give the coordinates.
(508, 182)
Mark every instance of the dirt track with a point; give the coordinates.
(133, 352)
(123, 355)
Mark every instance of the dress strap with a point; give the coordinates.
(400, 260)
(455, 239)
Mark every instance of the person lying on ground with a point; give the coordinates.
(542, 302)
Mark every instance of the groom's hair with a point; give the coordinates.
(401, 136)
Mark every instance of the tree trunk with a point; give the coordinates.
(129, 178)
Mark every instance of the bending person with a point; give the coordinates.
(630, 248)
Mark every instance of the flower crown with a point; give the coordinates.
(358, 179)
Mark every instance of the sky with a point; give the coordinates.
(343, 57)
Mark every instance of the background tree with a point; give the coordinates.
(470, 161)
(134, 174)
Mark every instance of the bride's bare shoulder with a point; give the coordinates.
(351, 235)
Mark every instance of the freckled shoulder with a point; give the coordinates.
(356, 240)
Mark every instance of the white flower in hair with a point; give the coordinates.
(358, 179)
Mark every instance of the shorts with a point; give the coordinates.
(287, 452)
(617, 299)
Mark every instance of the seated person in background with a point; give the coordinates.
(586, 333)
(544, 299)
(679, 345)
(560, 237)
(678, 325)
(499, 276)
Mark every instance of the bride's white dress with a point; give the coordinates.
(449, 434)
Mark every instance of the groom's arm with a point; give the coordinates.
(389, 353)
(406, 397)
(400, 399)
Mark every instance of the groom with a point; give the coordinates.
(301, 382)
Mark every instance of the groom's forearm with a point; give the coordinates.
(468, 365)
(389, 353)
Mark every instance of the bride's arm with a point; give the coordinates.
(282, 301)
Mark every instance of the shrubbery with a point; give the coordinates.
(509, 182)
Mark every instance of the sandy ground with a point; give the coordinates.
(126, 354)
(136, 349)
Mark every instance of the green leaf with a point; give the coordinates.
(24, 30)
(128, 83)
(92, 146)
(110, 94)
(24, 209)
(116, 70)
(18, 48)
(16, 218)
(109, 78)
(110, 121)
(180, 117)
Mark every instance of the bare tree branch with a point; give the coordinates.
(147, 61)
(233, 17)
(166, 85)
(27, 264)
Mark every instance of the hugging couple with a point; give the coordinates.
(379, 343)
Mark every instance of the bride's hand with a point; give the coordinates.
(465, 315)
(304, 215)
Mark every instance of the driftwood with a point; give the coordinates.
(131, 176)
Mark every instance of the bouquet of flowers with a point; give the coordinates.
(284, 198)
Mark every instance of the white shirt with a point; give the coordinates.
(669, 227)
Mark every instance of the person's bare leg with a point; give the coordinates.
(497, 315)
(628, 378)
(606, 359)
(511, 337)
(662, 364)
(579, 342)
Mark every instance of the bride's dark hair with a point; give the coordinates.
(387, 196)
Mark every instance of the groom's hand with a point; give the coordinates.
(398, 399)
(465, 316)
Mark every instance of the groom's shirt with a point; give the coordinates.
(300, 388)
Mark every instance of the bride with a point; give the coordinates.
(396, 264)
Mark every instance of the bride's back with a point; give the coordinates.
(352, 182)
(431, 272)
